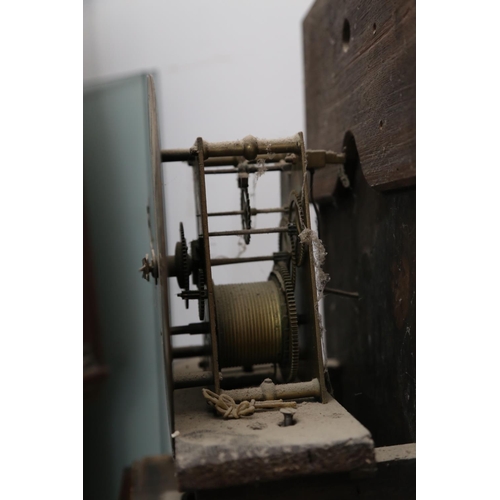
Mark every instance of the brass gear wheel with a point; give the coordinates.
(290, 360)
(182, 262)
(290, 241)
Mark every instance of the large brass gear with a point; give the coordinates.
(290, 358)
(182, 261)
(290, 241)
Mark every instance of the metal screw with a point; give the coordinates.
(149, 268)
(145, 269)
(288, 413)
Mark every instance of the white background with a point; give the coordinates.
(225, 69)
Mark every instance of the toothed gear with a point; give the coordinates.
(290, 241)
(293, 236)
(290, 361)
(201, 299)
(182, 261)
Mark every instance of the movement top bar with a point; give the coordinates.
(251, 148)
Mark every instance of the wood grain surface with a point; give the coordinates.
(370, 239)
(360, 70)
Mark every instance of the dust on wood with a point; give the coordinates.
(214, 453)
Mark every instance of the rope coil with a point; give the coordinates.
(226, 406)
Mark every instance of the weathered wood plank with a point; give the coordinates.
(386, 454)
(153, 478)
(370, 239)
(213, 453)
(365, 86)
(394, 480)
(369, 235)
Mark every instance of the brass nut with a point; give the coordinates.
(250, 148)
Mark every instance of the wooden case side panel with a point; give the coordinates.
(363, 99)
(363, 81)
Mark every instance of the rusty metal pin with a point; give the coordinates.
(341, 293)
(288, 414)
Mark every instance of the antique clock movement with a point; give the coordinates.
(263, 341)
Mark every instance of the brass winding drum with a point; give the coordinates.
(257, 324)
(249, 323)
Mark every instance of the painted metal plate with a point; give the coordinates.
(158, 229)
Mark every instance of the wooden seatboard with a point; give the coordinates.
(215, 453)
